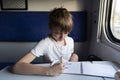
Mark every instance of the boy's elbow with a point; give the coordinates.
(14, 69)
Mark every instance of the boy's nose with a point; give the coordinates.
(62, 35)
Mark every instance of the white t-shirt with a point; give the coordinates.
(53, 51)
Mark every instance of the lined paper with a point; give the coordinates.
(73, 68)
(104, 70)
(92, 69)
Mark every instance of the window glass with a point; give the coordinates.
(115, 19)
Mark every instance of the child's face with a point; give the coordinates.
(58, 35)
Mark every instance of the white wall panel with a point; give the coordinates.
(47, 5)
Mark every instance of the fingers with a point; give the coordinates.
(74, 58)
(56, 69)
(59, 65)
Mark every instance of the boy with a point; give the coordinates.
(53, 47)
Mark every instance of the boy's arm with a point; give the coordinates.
(74, 57)
(23, 66)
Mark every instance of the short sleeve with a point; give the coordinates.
(70, 42)
(72, 45)
(39, 49)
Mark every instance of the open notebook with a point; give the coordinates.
(87, 68)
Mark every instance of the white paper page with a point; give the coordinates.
(104, 70)
(72, 68)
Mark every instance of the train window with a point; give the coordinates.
(115, 20)
(109, 23)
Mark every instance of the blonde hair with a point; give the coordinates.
(60, 17)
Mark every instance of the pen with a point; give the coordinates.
(61, 59)
(56, 61)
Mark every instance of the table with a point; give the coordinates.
(5, 74)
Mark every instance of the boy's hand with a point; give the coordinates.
(74, 58)
(56, 69)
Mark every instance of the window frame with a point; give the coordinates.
(108, 30)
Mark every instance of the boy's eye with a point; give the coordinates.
(60, 32)
(66, 32)
(56, 33)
